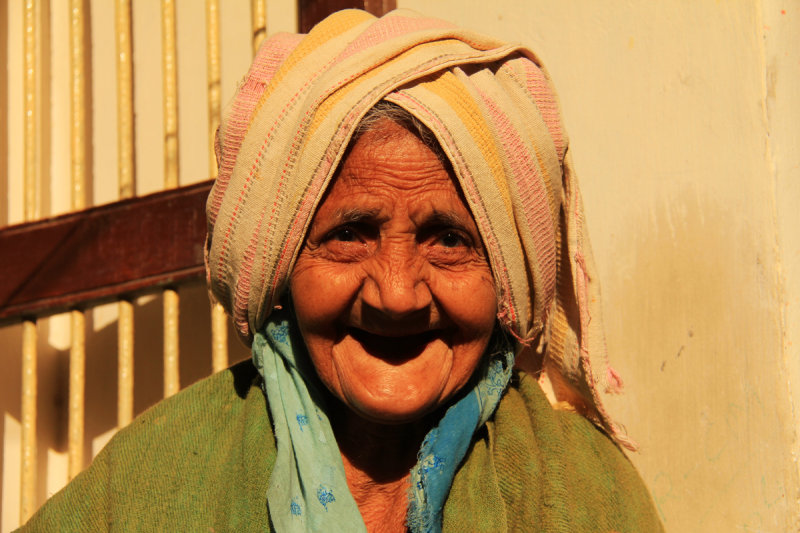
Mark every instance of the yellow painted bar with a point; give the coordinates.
(31, 210)
(212, 30)
(170, 82)
(29, 390)
(219, 330)
(32, 188)
(219, 338)
(77, 387)
(124, 99)
(125, 364)
(259, 10)
(77, 352)
(77, 107)
(127, 188)
(172, 383)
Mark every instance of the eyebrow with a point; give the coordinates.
(445, 218)
(355, 214)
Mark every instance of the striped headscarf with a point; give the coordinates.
(493, 110)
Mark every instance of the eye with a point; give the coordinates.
(449, 247)
(343, 234)
(452, 239)
(346, 243)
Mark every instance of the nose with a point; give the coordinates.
(395, 283)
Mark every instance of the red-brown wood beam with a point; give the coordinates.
(106, 252)
(312, 11)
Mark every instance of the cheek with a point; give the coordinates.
(485, 303)
(321, 294)
(469, 299)
(475, 317)
(321, 291)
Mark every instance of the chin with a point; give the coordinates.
(391, 411)
(392, 390)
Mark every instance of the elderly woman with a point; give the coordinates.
(395, 222)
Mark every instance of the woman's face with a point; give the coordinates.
(392, 290)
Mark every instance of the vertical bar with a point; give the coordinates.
(126, 190)
(259, 10)
(77, 376)
(212, 30)
(171, 375)
(170, 94)
(219, 330)
(219, 338)
(31, 212)
(124, 98)
(28, 467)
(125, 365)
(77, 352)
(32, 188)
(77, 107)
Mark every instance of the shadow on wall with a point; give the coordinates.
(101, 384)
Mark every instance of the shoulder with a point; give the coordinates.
(207, 407)
(192, 461)
(593, 482)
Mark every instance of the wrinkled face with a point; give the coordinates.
(392, 290)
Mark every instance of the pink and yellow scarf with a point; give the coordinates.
(493, 110)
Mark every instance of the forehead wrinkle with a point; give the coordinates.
(403, 170)
(370, 178)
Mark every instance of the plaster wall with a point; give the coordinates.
(683, 123)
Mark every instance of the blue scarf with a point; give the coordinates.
(308, 489)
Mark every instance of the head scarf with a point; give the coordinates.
(492, 109)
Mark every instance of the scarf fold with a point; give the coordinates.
(308, 488)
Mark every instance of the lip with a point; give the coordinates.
(394, 348)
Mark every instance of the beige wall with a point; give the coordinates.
(683, 122)
(683, 119)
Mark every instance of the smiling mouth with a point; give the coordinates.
(394, 349)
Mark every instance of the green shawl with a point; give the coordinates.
(201, 461)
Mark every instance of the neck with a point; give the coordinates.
(377, 461)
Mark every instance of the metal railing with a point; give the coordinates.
(36, 24)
